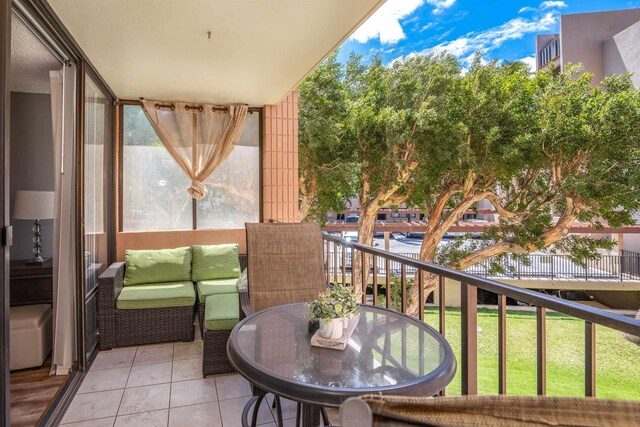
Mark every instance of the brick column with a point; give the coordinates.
(280, 161)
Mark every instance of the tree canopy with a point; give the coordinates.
(545, 150)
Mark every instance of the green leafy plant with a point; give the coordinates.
(338, 301)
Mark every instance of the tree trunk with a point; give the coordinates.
(308, 193)
(304, 208)
(366, 224)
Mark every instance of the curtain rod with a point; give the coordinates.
(200, 108)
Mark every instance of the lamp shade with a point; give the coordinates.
(33, 205)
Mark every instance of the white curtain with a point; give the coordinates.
(199, 137)
(64, 247)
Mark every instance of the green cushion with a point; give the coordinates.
(157, 266)
(215, 287)
(215, 262)
(222, 312)
(157, 295)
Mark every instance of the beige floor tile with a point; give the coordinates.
(189, 369)
(92, 406)
(105, 379)
(231, 386)
(197, 336)
(150, 374)
(153, 354)
(144, 419)
(289, 408)
(203, 415)
(121, 358)
(183, 351)
(192, 392)
(102, 422)
(143, 399)
(231, 412)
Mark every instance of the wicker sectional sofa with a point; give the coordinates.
(151, 297)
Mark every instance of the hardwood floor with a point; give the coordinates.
(31, 392)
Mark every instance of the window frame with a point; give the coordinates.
(121, 103)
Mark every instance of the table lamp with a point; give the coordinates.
(35, 205)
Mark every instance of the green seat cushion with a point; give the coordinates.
(214, 287)
(215, 262)
(222, 312)
(157, 266)
(157, 295)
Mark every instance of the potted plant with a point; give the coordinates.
(334, 307)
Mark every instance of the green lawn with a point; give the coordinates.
(617, 360)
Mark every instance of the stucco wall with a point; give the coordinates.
(583, 37)
(622, 53)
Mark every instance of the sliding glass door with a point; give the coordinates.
(5, 48)
(96, 186)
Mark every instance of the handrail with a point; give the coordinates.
(580, 311)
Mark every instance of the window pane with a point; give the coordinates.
(94, 146)
(233, 191)
(154, 188)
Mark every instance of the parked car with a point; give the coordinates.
(415, 235)
(352, 218)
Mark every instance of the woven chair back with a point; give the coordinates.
(285, 264)
(498, 411)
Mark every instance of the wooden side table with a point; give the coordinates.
(31, 284)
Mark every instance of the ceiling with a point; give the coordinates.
(259, 50)
(31, 61)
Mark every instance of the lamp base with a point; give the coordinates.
(38, 262)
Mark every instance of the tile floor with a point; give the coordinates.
(162, 385)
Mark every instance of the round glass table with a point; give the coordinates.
(388, 352)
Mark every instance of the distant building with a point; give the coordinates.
(604, 43)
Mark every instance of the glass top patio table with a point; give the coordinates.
(388, 352)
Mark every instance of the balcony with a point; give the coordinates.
(505, 349)
(549, 53)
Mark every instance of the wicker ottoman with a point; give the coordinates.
(31, 330)
(222, 313)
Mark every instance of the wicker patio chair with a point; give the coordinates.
(285, 265)
(119, 328)
(498, 411)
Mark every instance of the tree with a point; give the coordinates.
(544, 150)
(325, 156)
(388, 107)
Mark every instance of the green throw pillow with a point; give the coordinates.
(215, 262)
(157, 266)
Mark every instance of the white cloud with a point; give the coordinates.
(530, 62)
(385, 22)
(440, 5)
(552, 5)
(493, 38)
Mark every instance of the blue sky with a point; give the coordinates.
(503, 29)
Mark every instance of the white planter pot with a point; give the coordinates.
(331, 330)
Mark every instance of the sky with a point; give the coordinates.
(502, 29)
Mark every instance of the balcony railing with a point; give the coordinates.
(338, 252)
(538, 266)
